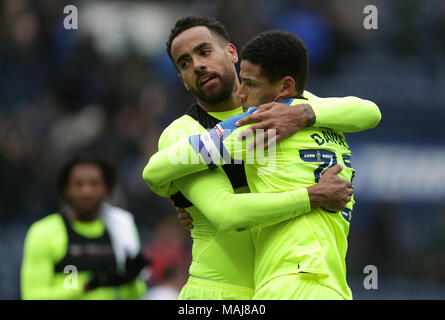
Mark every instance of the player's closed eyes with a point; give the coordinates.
(249, 84)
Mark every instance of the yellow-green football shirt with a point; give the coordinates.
(315, 242)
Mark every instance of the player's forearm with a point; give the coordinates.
(240, 211)
(45, 292)
(229, 212)
(260, 210)
(212, 193)
(348, 114)
(36, 284)
(169, 164)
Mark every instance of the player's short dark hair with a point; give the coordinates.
(107, 169)
(186, 23)
(279, 54)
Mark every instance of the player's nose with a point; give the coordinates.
(240, 94)
(198, 65)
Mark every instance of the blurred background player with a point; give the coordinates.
(99, 240)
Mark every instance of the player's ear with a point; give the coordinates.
(231, 49)
(287, 86)
(185, 84)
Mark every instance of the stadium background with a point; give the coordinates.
(110, 87)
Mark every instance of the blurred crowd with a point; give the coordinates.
(60, 93)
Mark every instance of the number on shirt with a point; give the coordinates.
(328, 159)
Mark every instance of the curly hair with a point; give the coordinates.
(279, 54)
(186, 23)
(107, 169)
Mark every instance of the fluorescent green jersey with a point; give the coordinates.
(312, 243)
(213, 252)
(219, 256)
(219, 252)
(178, 164)
(46, 244)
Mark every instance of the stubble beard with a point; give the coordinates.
(225, 90)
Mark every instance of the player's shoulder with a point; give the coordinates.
(180, 123)
(314, 98)
(120, 223)
(306, 97)
(309, 95)
(49, 225)
(182, 127)
(117, 212)
(230, 123)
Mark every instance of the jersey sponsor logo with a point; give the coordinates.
(90, 249)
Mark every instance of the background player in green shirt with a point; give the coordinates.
(302, 258)
(99, 240)
(222, 266)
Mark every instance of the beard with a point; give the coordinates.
(85, 213)
(216, 95)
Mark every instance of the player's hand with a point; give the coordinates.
(331, 192)
(274, 117)
(185, 218)
(112, 278)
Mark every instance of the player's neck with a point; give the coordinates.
(293, 94)
(226, 105)
(90, 217)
